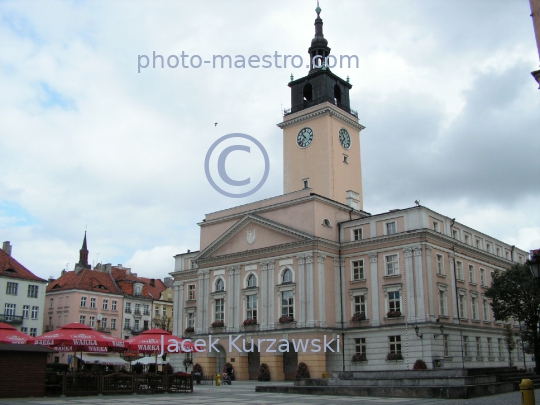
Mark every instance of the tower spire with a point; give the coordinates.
(319, 49)
(83, 253)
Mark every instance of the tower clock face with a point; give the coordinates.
(305, 137)
(344, 138)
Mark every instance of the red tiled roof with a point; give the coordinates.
(87, 280)
(126, 282)
(9, 267)
(158, 288)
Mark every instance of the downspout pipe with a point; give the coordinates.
(457, 294)
(341, 296)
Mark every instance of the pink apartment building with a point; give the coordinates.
(340, 288)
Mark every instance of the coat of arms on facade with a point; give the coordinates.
(251, 236)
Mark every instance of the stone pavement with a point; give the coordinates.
(243, 392)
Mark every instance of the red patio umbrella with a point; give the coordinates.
(75, 337)
(8, 334)
(158, 341)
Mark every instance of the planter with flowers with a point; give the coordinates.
(394, 356)
(250, 324)
(393, 314)
(189, 330)
(359, 358)
(264, 372)
(358, 318)
(286, 321)
(218, 325)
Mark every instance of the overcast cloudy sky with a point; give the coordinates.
(444, 89)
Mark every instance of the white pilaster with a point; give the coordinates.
(431, 298)
(321, 259)
(375, 316)
(453, 283)
(271, 294)
(263, 286)
(301, 288)
(409, 277)
(419, 278)
(238, 309)
(310, 304)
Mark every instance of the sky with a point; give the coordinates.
(90, 140)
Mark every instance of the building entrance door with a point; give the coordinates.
(254, 361)
(290, 362)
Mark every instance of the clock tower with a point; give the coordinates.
(321, 134)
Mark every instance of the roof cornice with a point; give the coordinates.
(323, 109)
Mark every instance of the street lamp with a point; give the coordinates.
(417, 330)
(534, 264)
(441, 328)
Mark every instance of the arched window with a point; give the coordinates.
(287, 276)
(337, 94)
(308, 92)
(220, 285)
(252, 281)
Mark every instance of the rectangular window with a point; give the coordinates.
(455, 234)
(287, 303)
(33, 291)
(219, 307)
(251, 307)
(472, 275)
(106, 304)
(357, 234)
(26, 311)
(146, 309)
(392, 266)
(33, 332)
(191, 320)
(35, 311)
(113, 323)
(127, 324)
(191, 292)
(395, 344)
(391, 228)
(51, 303)
(446, 345)
(488, 247)
(486, 310)
(11, 288)
(92, 321)
(459, 271)
(440, 265)
(498, 251)
(443, 310)
(164, 311)
(157, 310)
(507, 255)
(114, 305)
(467, 239)
(82, 319)
(466, 346)
(394, 301)
(128, 308)
(92, 302)
(436, 227)
(9, 309)
(358, 269)
(137, 325)
(474, 306)
(360, 345)
(462, 306)
(83, 302)
(501, 350)
(483, 281)
(489, 348)
(137, 309)
(478, 244)
(359, 304)
(103, 323)
(24, 330)
(478, 347)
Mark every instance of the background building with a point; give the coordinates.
(310, 265)
(22, 294)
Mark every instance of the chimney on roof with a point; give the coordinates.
(62, 272)
(6, 247)
(153, 282)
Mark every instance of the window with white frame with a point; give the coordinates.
(33, 332)
(466, 346)
(394, 301)
(113, 323)
(83, 302)
(483, 281)
(359, 304)
(443, 306)
(507, 255)
(391, 228)
(478, 244)
(440, 265)
(26, 311)
(436, 226)
(479, 347)
(459, 271)
(287, 303)
(219, 285)
(360, 345)
(92, 302)
(191, 292)
(9, 309)
(137, 324)
(467, 239)
(164, 311)
(219, 309)
(190, 320)
(485, 303)
(498, 251)
(287, 276)
(127, 324)
(138, 289)
(357, 234)
(392, 265)
(137, 308)
(114, 304)
(51, 303)
(251, 306)
(472, 275)
(106, 304)
(358, 269)
(462, 306)
(488, 247)
(128, 308)
(35, 312)
(146, 309)
(489, 347)
(455, 234)
(395, 344)
(91, 321)
(82, 319)
(24, 329)
(251, 281)
(474, 307)
(446, 345)
(11, 288)
(103, 323)
(33, 291)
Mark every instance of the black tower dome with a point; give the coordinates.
(319, 44)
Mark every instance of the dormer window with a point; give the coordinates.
(220, 285)
(138, 289)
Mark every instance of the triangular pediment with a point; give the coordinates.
(253, 233)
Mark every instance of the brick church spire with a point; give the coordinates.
(83, 254)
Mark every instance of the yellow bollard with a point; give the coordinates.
(324, 374)
(218, 380)
(527, 392)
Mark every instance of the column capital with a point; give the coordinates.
(373, 257)
(417, 250)
(300, 259)
(264, 266)
(309, 259)
(321, 258)
(428, 251)
(408, 252)
(271, 265)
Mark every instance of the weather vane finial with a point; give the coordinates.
(318, 9)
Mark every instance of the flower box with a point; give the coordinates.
(393, 314)
(218, 324)
(394, 356)
(359, 358)
(359, 317)
(286, 319)
(189, 329)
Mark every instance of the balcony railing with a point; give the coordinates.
(127, 327)
(12, 319)
(137, 312)
(146, 313)
(138, 331)
(127, 310)
(311, 103)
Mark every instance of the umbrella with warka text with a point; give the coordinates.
(159, 341)
(75, 337)
(8, 334)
